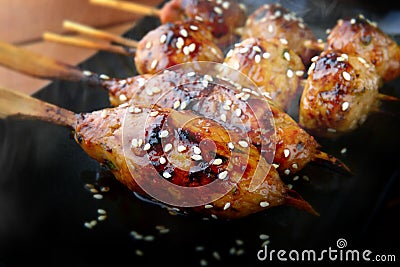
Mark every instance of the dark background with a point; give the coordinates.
(44, 203)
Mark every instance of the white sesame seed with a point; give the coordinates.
(134, 143)
(148, 238)
(198, 18)
(345, 106)
(166, 175)
(283, 41)
(295, 166)
(177, 103)
(196, 150)
(184, 32)
(180, 43)
(346, 75)
(343, 151)
(98, 196)
(146, 147)
(134, 110)
(257, 58)
(106, 77)
(217, 162)
(192, 47)
(88, 225)
(162, 160)
(186, 50)
(103, 114)
(340, 59)
(196, 157)
(223, 175)
(148, 45)
(266, 55)
(276, 166)
(345, 56)
(225, 5)
(138, 252)
(227, 205)
(331, 130)
(362, 60)
(164, 133)
(102, 217)
(314, 58)
(239, 242)
(286, 55)
(223, 117)
(87, 73)
(104, 189)
(214, 216)
(257, 49)
(181, 148)
(191, 74)
(193, 27)
(299, 73)
(286, 152)
(353, 21)
(153, 113)
(296, 178)
(163, 38)
(203, 262)
(289, 73)
(264, 236)
(231, 145)
(101, 211)
(243, 50)
(243, 143)
(154, 64)
(167, 148)
(93, 190)
(218, 10)
(122, 97)
(183, 105)
(270, 28)
(238, 112)
(156, 90)
(306, 178)
(287, 171)
(208, 206)
(264, 204)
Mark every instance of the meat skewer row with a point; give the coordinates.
(100, 133)
(362, 37)
(274, 22)
(221, 17)
(273, 67)
(167, 45)
(295, 148)
(339, 94)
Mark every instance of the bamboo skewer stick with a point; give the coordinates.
(81, 42)
(99, 34)
(129, 6)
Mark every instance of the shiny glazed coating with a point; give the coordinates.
(100, 135)
(362, 37)
(174, 43)
(295, 148)
(272, 21)
(272, 66)
(222, 18)
(340, 92)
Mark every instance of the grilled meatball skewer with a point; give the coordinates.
(100, 133)
(362, 37)
(222, 18)
(340, 92)
(167, 45)
(273, 67)
(274, 22)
